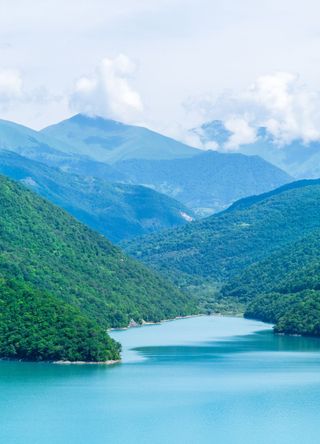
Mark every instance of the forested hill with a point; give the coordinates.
(284, 287)
(264, 252)
(47, 252)
(223, 245)
(247, 202)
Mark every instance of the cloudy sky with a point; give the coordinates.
(167, 64)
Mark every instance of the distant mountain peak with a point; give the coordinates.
(109, 141)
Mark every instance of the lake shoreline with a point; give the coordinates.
(110, 362)
(146, 323)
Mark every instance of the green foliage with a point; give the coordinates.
(297, 313)
(288, 283)
(51, 252)
(264, 251)
(223, 245)
(291, 269)
(37, 326)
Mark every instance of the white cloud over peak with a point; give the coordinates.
(284, 105)
(280, 102)
(108, 92)
(241, 131)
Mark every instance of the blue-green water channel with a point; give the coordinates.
(198, 380)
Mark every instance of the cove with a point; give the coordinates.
(199, 380)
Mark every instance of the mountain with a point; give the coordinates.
(91, 284)
(116, 210)
(203, 181)
(109, 141)
(297, 158)
(208, 182)
(221, 246)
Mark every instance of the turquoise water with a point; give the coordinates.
(198, 380)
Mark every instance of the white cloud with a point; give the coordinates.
(284, 105)
(242, 133)
(108, 91)
(280, 102)
(10, 86)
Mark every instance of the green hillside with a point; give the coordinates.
(289, 269)
(116, 210)
(54, 254)
(284, 287)
(222, 245)
(262, 254)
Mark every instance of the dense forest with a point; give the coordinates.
(223, 245)
(262, 254)
(35, 325)
(49, 251)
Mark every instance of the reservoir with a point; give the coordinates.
(206, 379)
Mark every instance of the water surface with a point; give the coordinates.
(198, 380)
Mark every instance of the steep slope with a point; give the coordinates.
(222, 245)
(48, 250)
(208, 182)
(118, 211)
(299, 159)
(110, 141)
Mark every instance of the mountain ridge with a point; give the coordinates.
(118, 211)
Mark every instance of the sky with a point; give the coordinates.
(170, 65)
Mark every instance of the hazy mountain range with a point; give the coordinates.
(205, 182)
(297, 158)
